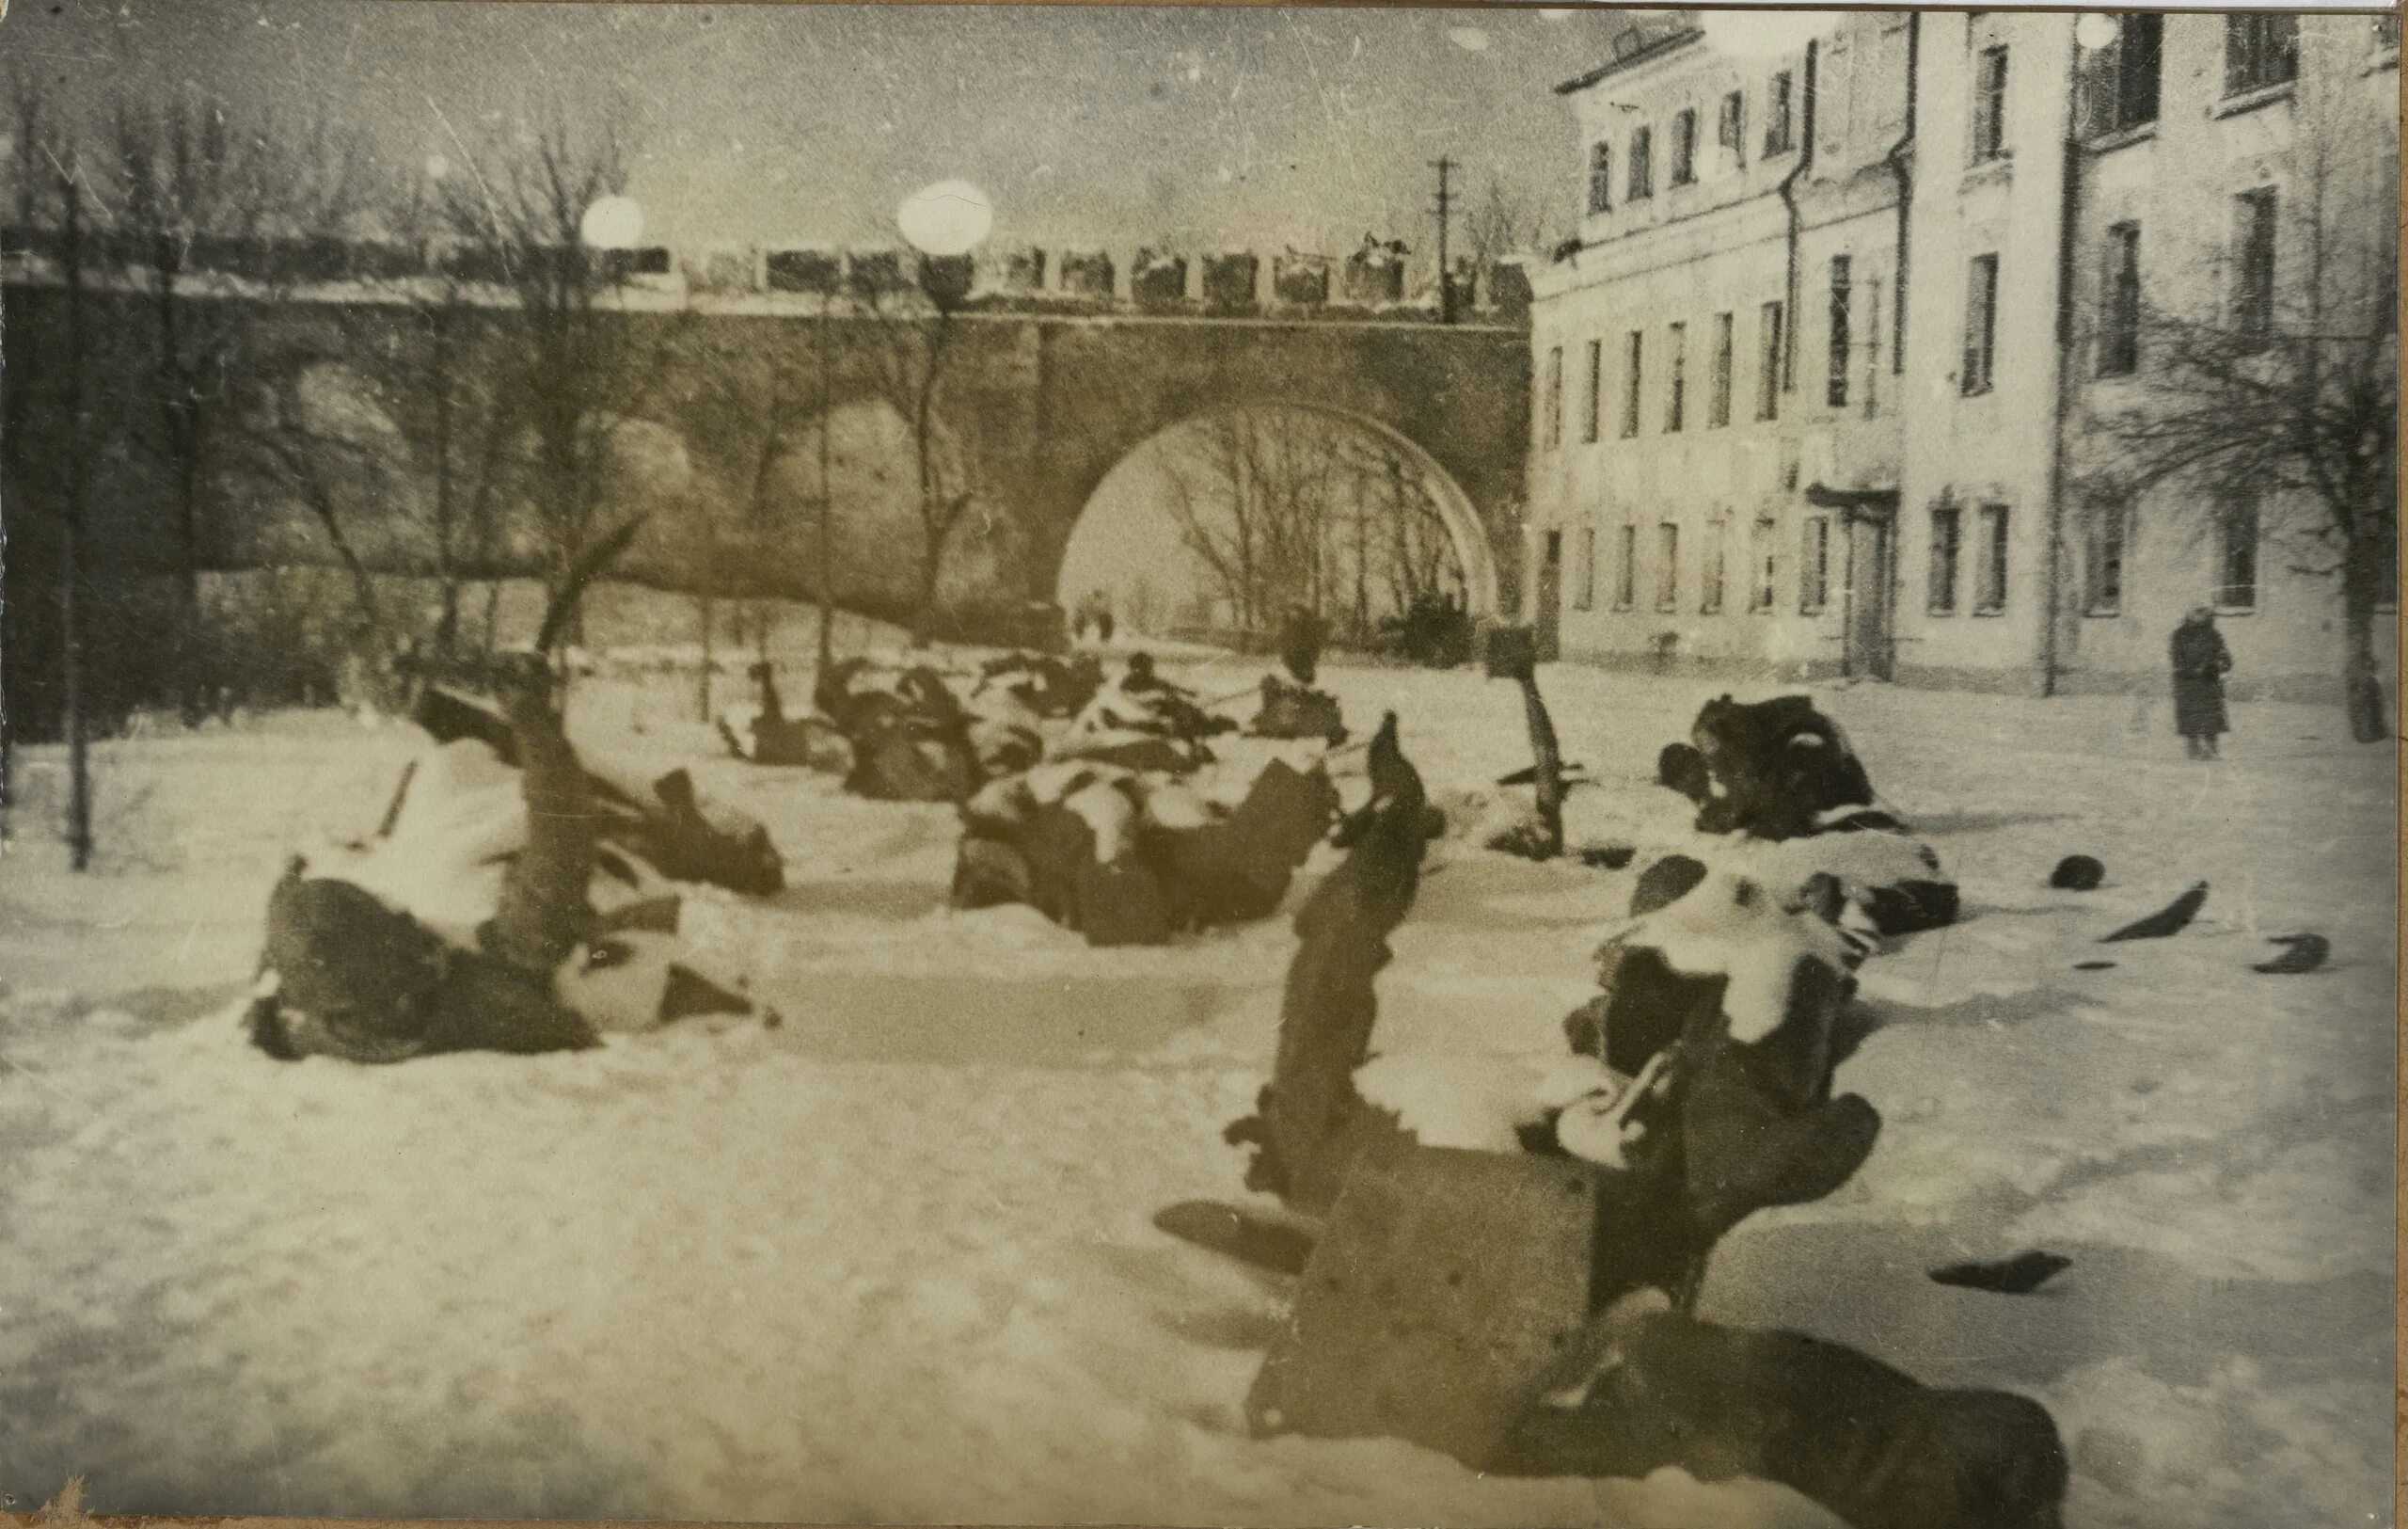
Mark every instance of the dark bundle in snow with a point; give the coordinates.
(1297, 712)
(1130, 858)
(514, 900)
(1142, 722)
(1777, 768)
(660, 821)
(1050, 686)
(910, 734)
(1648, 1388)
(764, 734)
(1779, 776)
(2078, 873)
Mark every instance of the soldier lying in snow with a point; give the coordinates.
(1130, 858)
(1779, 783)
(522, 905)
(1142, 722)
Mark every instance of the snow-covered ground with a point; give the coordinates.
(894, 1260)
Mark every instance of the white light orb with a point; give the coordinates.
(1470, 39)
(1765, 34)
(948, 218)
(2096, 31)
(438, 167)
(612, 223)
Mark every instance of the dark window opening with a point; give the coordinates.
(2259, 51)
(1836, 381)
(1981, 325)
(1601, 178)
(2119, 330)
(1777, 115)
(1989, 106)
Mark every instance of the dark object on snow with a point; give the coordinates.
(2017, 1276)
(1682, 768)
(1779, 764)
(662, 821)
(2306, 952)
(1088, 856)
(1869, 1443)
(686, 841)
(1244, 1233)
(1445, 1282)
(1527, 775)
(1296, 711)
(2078, 873)
(769, 737)
(1048, 686)
(2094, 965)
(2200, 663)
(2171, 919)
(1664, 882)
(1434, 632)
(1303, 1129)
(1608, 856)
(1302, 637)
(357, 979)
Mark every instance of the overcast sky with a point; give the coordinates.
(809, 123)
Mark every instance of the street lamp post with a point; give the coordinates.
(613, 223)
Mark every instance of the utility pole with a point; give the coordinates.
(1446, 212)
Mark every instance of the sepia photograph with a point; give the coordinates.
(1200, 765)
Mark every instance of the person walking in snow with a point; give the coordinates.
(2200, 663)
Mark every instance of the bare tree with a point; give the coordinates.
(581, 363)
(199, 193)
(917, 332)
(767, 402)
(2280, 390)
(1502, 223)
(1287, 510)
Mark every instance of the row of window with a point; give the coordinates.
(1730, 137)
(2119, 86)
(2235, 551)
(1815, 571)
(1673, 360)
(2118, 339)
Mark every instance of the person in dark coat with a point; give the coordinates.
(2200, 663)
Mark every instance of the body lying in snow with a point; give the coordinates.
(1771, 768)
(1142, 722)
(377, 951)
(1130, 857)
(1647, 1388)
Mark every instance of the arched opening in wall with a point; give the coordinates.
(1215, 528)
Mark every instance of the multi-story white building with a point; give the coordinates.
(1823, 386)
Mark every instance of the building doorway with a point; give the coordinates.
(1868, 646)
